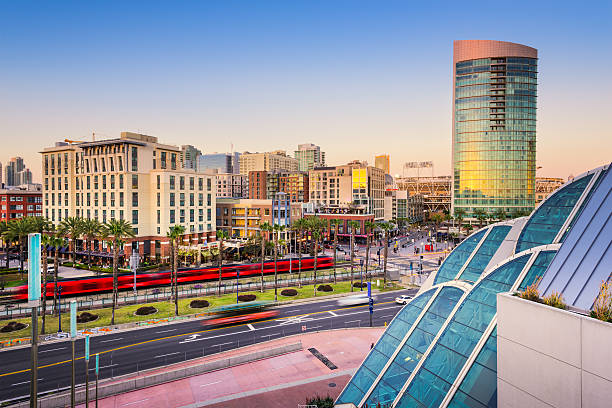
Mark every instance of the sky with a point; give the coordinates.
(358, 78)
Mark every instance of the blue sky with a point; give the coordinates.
(358, 78)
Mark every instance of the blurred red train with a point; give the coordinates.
(85, 286)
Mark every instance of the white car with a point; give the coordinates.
(360, 299)
(403, 299)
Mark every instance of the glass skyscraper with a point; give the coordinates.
(494, 126)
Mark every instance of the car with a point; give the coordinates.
(403, 299)
(360, 299)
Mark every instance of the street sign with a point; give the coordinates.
(87, 347)
(73, 312)
(33, 267)
(371, 302)
(370, 290)
(97, 364)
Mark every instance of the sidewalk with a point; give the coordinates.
(282, 381)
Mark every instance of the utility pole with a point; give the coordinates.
(87, 371)
(34, 302)
(97, 372)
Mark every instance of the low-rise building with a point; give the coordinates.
(264, 185)
(399, 206)
(16, 203)
(232, 185)
(268, 161)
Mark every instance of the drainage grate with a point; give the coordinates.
(323, 359)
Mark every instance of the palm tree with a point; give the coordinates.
(18, 231)
(277, 230)
(299, 226)
(335, 223)
(468, 229)
(386, 227)
(481, 216)
(369, 227)
(447, 218)
(56, 242)
(6, 241)
(221, 236)
(459, 216)
(264, 227)
(91, 229)
(315, 226)
(437, 219)
(44, 239)
(499, 214)
(118, 231)
(71, 227)
(353, 225)
(175, 233)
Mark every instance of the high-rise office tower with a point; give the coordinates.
(382, 162)
(190, 156)
(494, 126)
(309, 156)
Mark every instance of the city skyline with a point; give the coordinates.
(275, 76)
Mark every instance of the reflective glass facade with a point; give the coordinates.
(494, 134)
(455, 260)
(545, 223)
(481, 259)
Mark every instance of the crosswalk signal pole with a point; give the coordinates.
(34, 301)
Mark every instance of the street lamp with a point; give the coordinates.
(361, 273)
(237, 283)
(59, 299)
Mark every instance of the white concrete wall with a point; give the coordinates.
(548, 357)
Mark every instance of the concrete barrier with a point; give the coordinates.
(132, 384)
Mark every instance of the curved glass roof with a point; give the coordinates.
(384, 349)
(435, 377)
(545, 223)
(414, 347)
(481, 259)
(455, 260)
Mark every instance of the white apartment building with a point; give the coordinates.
(269, 161)
(232, 185)
(133, 178)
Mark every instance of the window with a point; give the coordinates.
(135, 217)
(112, 167)
(121, 181)
(191, 199)
(208, 199)
(200, 199)
(191, 215)
(158, 216)
(182, 215)
(134, 159)
(158, 199)
(163, 160)
(95, 200)
(65, 183)
(200, 184)
(134, 199)
(182, 182)
(173, 161)
(121, 199)
(172, 220)
(172, 182)
(208, 215)
(191, 183)
(135, 181)
(104, 182)
(172, 200)
(112, 181)
(88, 199)
(103, 199)
(208, 184)
(120, 162)
(112, 200)
(200, 215)
(182, 199)
(158, 181)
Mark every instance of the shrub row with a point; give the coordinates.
(13, 326)
(289, 292)
(145, 310)
(325, 288)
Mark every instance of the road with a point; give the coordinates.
(135, 350)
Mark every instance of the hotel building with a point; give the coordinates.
(269, 161)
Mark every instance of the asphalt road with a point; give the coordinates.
(135, 350)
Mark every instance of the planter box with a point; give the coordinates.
(548, 357)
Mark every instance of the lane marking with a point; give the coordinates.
(108, 366)
(55, 349)
(106, 341)
(352, 321)
(166, 331)
(186, 334)
(169, 354)
(333, 314)
(203, 385)
(135, 402)
(19, 383)
(250, 326)
(222, 344)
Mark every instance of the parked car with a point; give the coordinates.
(360, 299)
(403, 299)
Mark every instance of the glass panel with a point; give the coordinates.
(455, 260)
(538, 268)
(484, 254)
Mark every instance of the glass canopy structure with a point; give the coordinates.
(441, 348)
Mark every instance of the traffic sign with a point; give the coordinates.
(33, 267)
(87, 348)
(370, 290)
(73, 313)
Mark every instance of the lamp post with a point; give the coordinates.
(361, 274)
(59, 301)
(73, 312)
(97, 372)
(87, 371)
(237, 284)
(34, 302)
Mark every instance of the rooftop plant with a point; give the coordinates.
(602, 309)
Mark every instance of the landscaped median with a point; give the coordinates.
(165, 310)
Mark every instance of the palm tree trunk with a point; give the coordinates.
(352, 254)
(6, 243)
(175, 269)
(220, 263)
(115, 279)
(21, 257)
(275, 269)
(89, 244)
(44, 288)
(385, 260)
(263, 258)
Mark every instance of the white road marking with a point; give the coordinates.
(165, 331)
(106, 341)
(135, 402)
(332, 313)
(250, 326)
(222, 344)
(204, 385)
(353, 321)
(112, 365)
(24, 382)
(55, 349)
(169, 354)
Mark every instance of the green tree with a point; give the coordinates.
(91, 229)
(369, 227)
(316, 225)
(299, 226)
(481, 215)
(386, 227)
(222, 235)
(117, 231)
(175, 233)
(277, 230)
(459, 216)
(499, 214)
(18, 231)
(335, 223)
(5, 241)
(265, 228)
(353, 225)
(44, 240)
(72, 228)
(56, 242)
(437, 218)
(468, 229)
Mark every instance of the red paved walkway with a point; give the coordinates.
(282, 381)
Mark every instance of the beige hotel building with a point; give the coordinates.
(133, 178)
